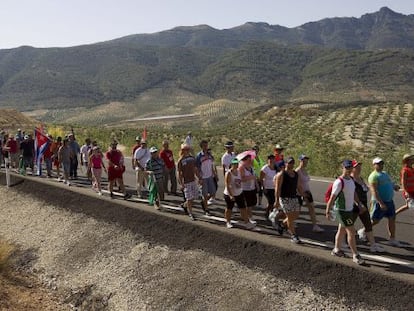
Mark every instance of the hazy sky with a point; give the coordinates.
(47, 23)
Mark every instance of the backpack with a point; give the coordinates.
(329, 190)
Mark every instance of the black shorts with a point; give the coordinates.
(270, 196)
(250, 197)
(237, 199)
(306, 198)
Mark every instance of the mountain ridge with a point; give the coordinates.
(369, 58)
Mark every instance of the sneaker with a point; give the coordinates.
(68, 183)
(127, 196)
(182, 205)
(207, 213)
(252, 221)
(99, 193)
(191, 217)
(295, 239)
(338, 253)
(211, 201)
(395, 243)
(358, 259)
(362, 235)
(229, 225)
(318, 229)
(376, 248)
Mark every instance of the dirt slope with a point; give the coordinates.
(103, 254)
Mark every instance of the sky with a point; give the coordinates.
(62, 23)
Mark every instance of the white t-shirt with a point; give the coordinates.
(348, 190)
(269, 176)
(84, 151)
(235, 184)
(226, 160)
(250, 184)
(142, 155)
(304, 178)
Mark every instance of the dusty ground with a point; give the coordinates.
(21, 292)
(96, 254)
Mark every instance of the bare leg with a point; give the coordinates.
(391, 227)
(351, 239)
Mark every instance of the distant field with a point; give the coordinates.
(326, 132)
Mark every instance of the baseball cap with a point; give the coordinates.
(229, 144)
(280, 164)
(347, 163)
(143, 141)
(137, 138)
(303, 157)
(377, 160)
(407, 156)
(234, 161)
(153, 149)
(278, 147)
(290, 160)
(355, 163)
(26, 137)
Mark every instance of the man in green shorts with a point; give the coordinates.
(342, 201)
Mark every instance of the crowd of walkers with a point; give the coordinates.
(247, 178)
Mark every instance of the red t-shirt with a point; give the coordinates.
(12, 144)
(115, 157)
(168, 158)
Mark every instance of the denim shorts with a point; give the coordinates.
(378, 214)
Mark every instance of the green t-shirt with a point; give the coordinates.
(258, 163)
(384, 184)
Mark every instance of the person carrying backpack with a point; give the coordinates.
(342, 201)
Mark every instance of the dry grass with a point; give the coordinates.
(5, 252)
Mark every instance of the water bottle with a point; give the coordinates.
(272, 215)
(332, 215)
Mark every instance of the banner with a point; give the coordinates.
(41, 143)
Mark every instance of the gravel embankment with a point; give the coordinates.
(99, 254)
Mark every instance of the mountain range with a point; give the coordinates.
(333, 60)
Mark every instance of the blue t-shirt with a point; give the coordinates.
(384, 184)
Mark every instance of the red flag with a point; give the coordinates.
(144, 133)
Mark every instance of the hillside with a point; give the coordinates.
(11, 119)
(332, 60)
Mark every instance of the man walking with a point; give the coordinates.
(141, 157)
(382, 195)
(170, 171)
(208, 172)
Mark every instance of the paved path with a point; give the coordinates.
(397, 259)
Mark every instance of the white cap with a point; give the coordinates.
(377, 160)
(153, 149)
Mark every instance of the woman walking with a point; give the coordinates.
(288, 184)
(95, 165)
(267, 175)
(407, 182)
(249, 185)
(233, 193)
